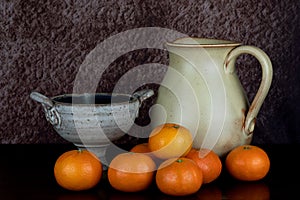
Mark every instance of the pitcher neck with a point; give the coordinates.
(197, 50)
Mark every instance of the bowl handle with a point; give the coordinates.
(143, 95)
(51, 114)
(41, 99)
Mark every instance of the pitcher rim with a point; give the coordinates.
(202, 42)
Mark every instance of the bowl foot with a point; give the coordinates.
(98, 150)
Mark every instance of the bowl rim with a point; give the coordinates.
(131, 99)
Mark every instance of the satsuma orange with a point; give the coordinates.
(247, 163)
(170, 141)
(140, 148)
(77, 170)
(179, 177)
(131, 172)
(144, 148)
(208, 161)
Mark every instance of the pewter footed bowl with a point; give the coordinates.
(92, 120)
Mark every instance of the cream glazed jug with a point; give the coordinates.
(201, 91)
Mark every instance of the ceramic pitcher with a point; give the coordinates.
(201, 91)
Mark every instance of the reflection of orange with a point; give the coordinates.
(247, 163)
(129, 196)
(77, 170)
(249, 191)
(179, 177)
(131, 172)
(209, 192)
(76, 196)
(208, 161)
(170, 141)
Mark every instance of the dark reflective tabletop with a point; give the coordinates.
(26, 172)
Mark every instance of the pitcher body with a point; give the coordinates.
(202, 92)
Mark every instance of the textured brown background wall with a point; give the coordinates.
(44, 42)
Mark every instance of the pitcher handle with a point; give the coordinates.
(267, 75)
